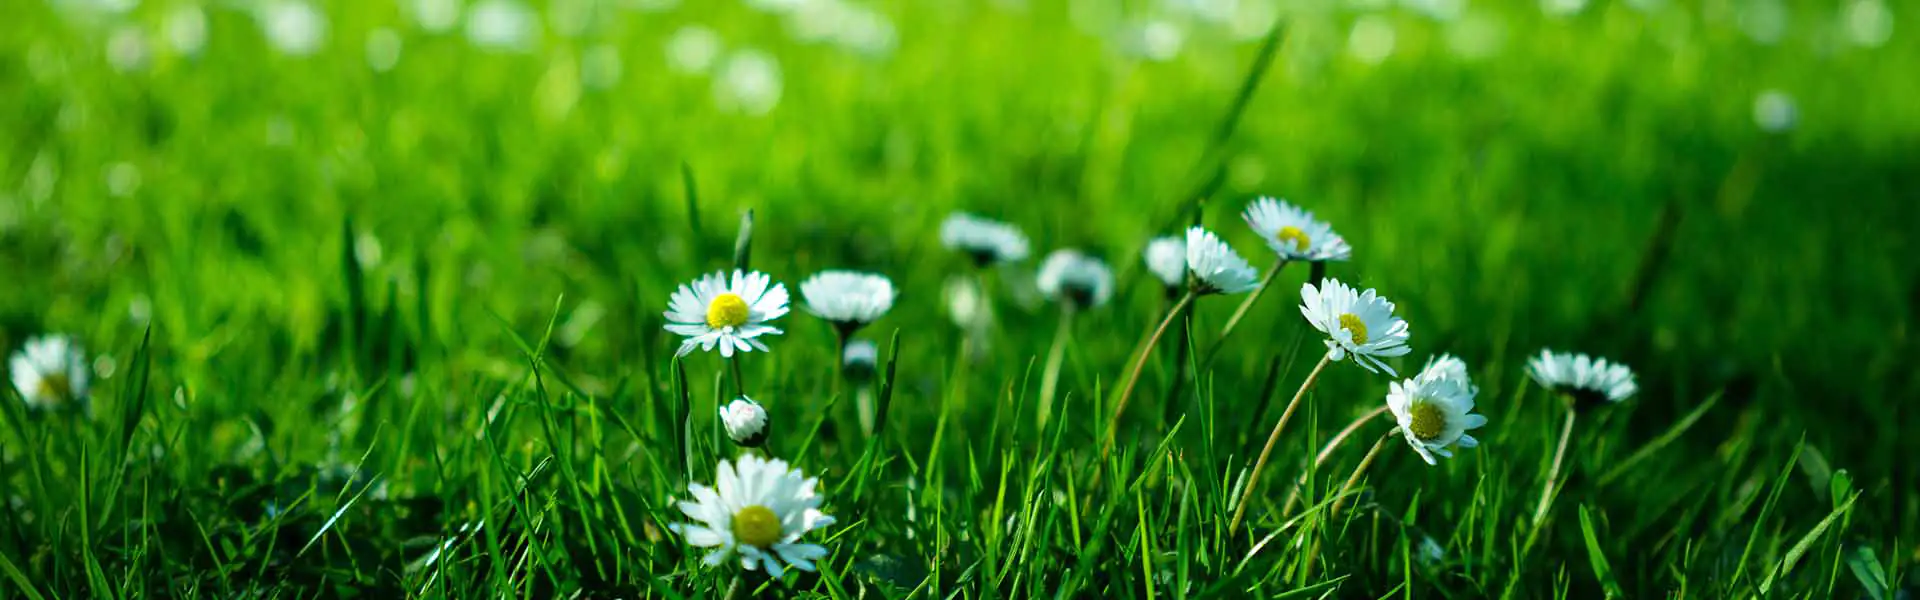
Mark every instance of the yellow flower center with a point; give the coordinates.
(726, 310)
(55, 386)
(1428, 420)
(756, 526)
(1348, 321)
(1294, 235)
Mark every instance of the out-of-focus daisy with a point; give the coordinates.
(50, 372)
(713, 311)
(1215, 266)
(748, 82)
(1433, 408)
(746, 422)
(850, 299)
(1167, 259)
(294, 28)
(693, 49)
(1358, 324)
(759, 510)
(861, 360)
(986, 240)
(967, 304)
(1072, 277)
(1775, 112)
(503, 25)
(1293, 233)
(1590, 381)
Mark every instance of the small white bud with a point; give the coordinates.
(746, 422)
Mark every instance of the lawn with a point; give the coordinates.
(365, 299)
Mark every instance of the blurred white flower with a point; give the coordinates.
(759, 510)
(435, 16)
(967, 304)
(600, 67)
(861, 360)
(1167, 259)
(848, 299)
(383, 49)
(49, 372)
(1590, 381)
(1358, 324)
(1075, 278)
(1868, 23)
(749, 83)
(127, 49)
(294, 27)
(1293, 232)
(713, 311)
(1215, 266)
(1433, 408)
(1775, 112)
(987, 241)
(1371, 40)
(1156, 40)
(503, 25)
(693, 49)
(185, 28)
(745, 421)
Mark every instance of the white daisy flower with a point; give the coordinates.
(1293, 233)
(49, 371)
(715, 312)
(1216, 266)
(1361, 324)
(849, 299)
(1167, 259)
(1433, 408)
(760, 510)
(1070, 276)
(986, 240)
(861, 360)
(1591, 381)
(746, 422)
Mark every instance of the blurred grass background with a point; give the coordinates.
(1719, 192)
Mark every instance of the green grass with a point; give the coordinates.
(392, 334)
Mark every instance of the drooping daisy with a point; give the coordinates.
(1167, 259)
(758, 510)
(849, 299)
(1293, 233)
(861, 360)
(987, 241)
(745, 421)
(1433, 408)
(1361, 324)
(713, 311)
(49, 372)
(1215, 266)
(1590, 381)
(1069, 276)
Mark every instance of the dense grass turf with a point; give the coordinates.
(383, 333)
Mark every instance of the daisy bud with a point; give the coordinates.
(746, 422)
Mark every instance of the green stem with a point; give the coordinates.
(1340, 498)
(1139, 364)
(1326, 452)
(1056, 356)
(1548, 493)
(1241, 312)
(1253, 480)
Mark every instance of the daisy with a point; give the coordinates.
(1361, 324)
(1590, 381)
(49, 372)
(861, 360)
(760, 510)
(1080, 280)
(1167, 259)
(849, 299)
(1216, 267)
(1293, 233)
(746, 422)
(713, 311)
(986, 240)
(1433, 408)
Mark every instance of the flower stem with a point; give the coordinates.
(1241, 312)
(1240, 510)
(1326, 452)
(1133, 379)
(739, 380)
(1050, 379)
(1553, 477)
(1180, 358)
(1340, 498)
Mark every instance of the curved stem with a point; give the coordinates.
(1340, 499)
(1245, 305)
(1139, 364)
(739, 380)
(1553, 475)
(1050, 379)
(1326, 452)
(1253, 480)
